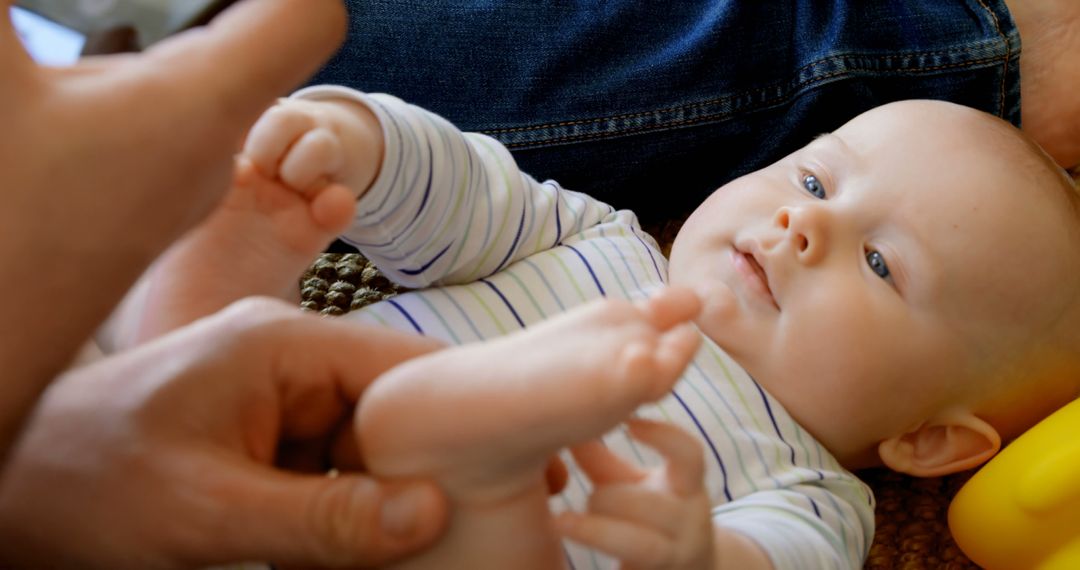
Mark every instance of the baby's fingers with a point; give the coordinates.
(315, 160)
(685, 458)
(645, 507)
(272, 136)
(603, 467)
(634, 546)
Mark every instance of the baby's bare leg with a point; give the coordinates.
(483, 419)
(257, 242)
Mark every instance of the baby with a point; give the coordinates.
(901, 292)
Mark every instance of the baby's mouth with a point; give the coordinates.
(760, 272)
(752, 267)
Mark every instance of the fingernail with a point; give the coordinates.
(401, 511)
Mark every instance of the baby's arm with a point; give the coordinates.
(446, 207)
(656, 518)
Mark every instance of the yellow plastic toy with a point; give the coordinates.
(1022, 509)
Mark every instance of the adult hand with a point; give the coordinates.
(162, 457)
(105, 163)
(1050, 75)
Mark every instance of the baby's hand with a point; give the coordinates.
(648, 519)
(310, 144)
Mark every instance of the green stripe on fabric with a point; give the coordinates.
(645, 266)
(779, 458)
(611, 268)
(438, 314)
(459, 199)
(487, 309)
(509, 272)
(508, 185)
(376, 316)
(723, 423)
(570, 278)
(541, 233)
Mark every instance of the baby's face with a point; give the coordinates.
(856, 278)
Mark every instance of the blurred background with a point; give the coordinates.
(56, 32)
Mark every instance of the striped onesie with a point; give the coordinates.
(491, 250)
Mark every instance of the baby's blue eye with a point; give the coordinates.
(813, 186)
(877, 264)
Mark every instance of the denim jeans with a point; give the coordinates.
(652, 104)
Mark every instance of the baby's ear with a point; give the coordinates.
(953, 442)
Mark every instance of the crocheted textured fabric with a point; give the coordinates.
(912, 531)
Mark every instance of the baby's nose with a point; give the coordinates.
(806, 229)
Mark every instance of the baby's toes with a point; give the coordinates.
(676, 348)
(652, 365)
(670, 307)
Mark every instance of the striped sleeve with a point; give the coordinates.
(449, 207)
(805, 526)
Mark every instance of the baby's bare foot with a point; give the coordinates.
(484, 418)
(1050, 74)
(257, 242)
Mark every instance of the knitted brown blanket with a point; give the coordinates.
(912, 532)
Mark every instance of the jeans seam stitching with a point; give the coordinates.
(1005, 60)
(712, 117)
(741, 94)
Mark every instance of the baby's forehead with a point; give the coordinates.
(990, 211)
(935, 125)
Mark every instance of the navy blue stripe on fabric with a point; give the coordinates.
(652, 257)
(505, 301)
(569, 562)
(427, 265)
(406, 314)
(400, 140)
(708, 440)
(558, 218)
(772, 418)
(430, 175)
(517, 238)
(591, 272)
(817, 511)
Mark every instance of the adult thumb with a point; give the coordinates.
(314, 520)
(252, 53)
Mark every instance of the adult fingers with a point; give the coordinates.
(271, 46)
(320, 367)
(685, 460)
(311, 348)
(312, 520)
(603, 467)
(348, 354)
(556, 475)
